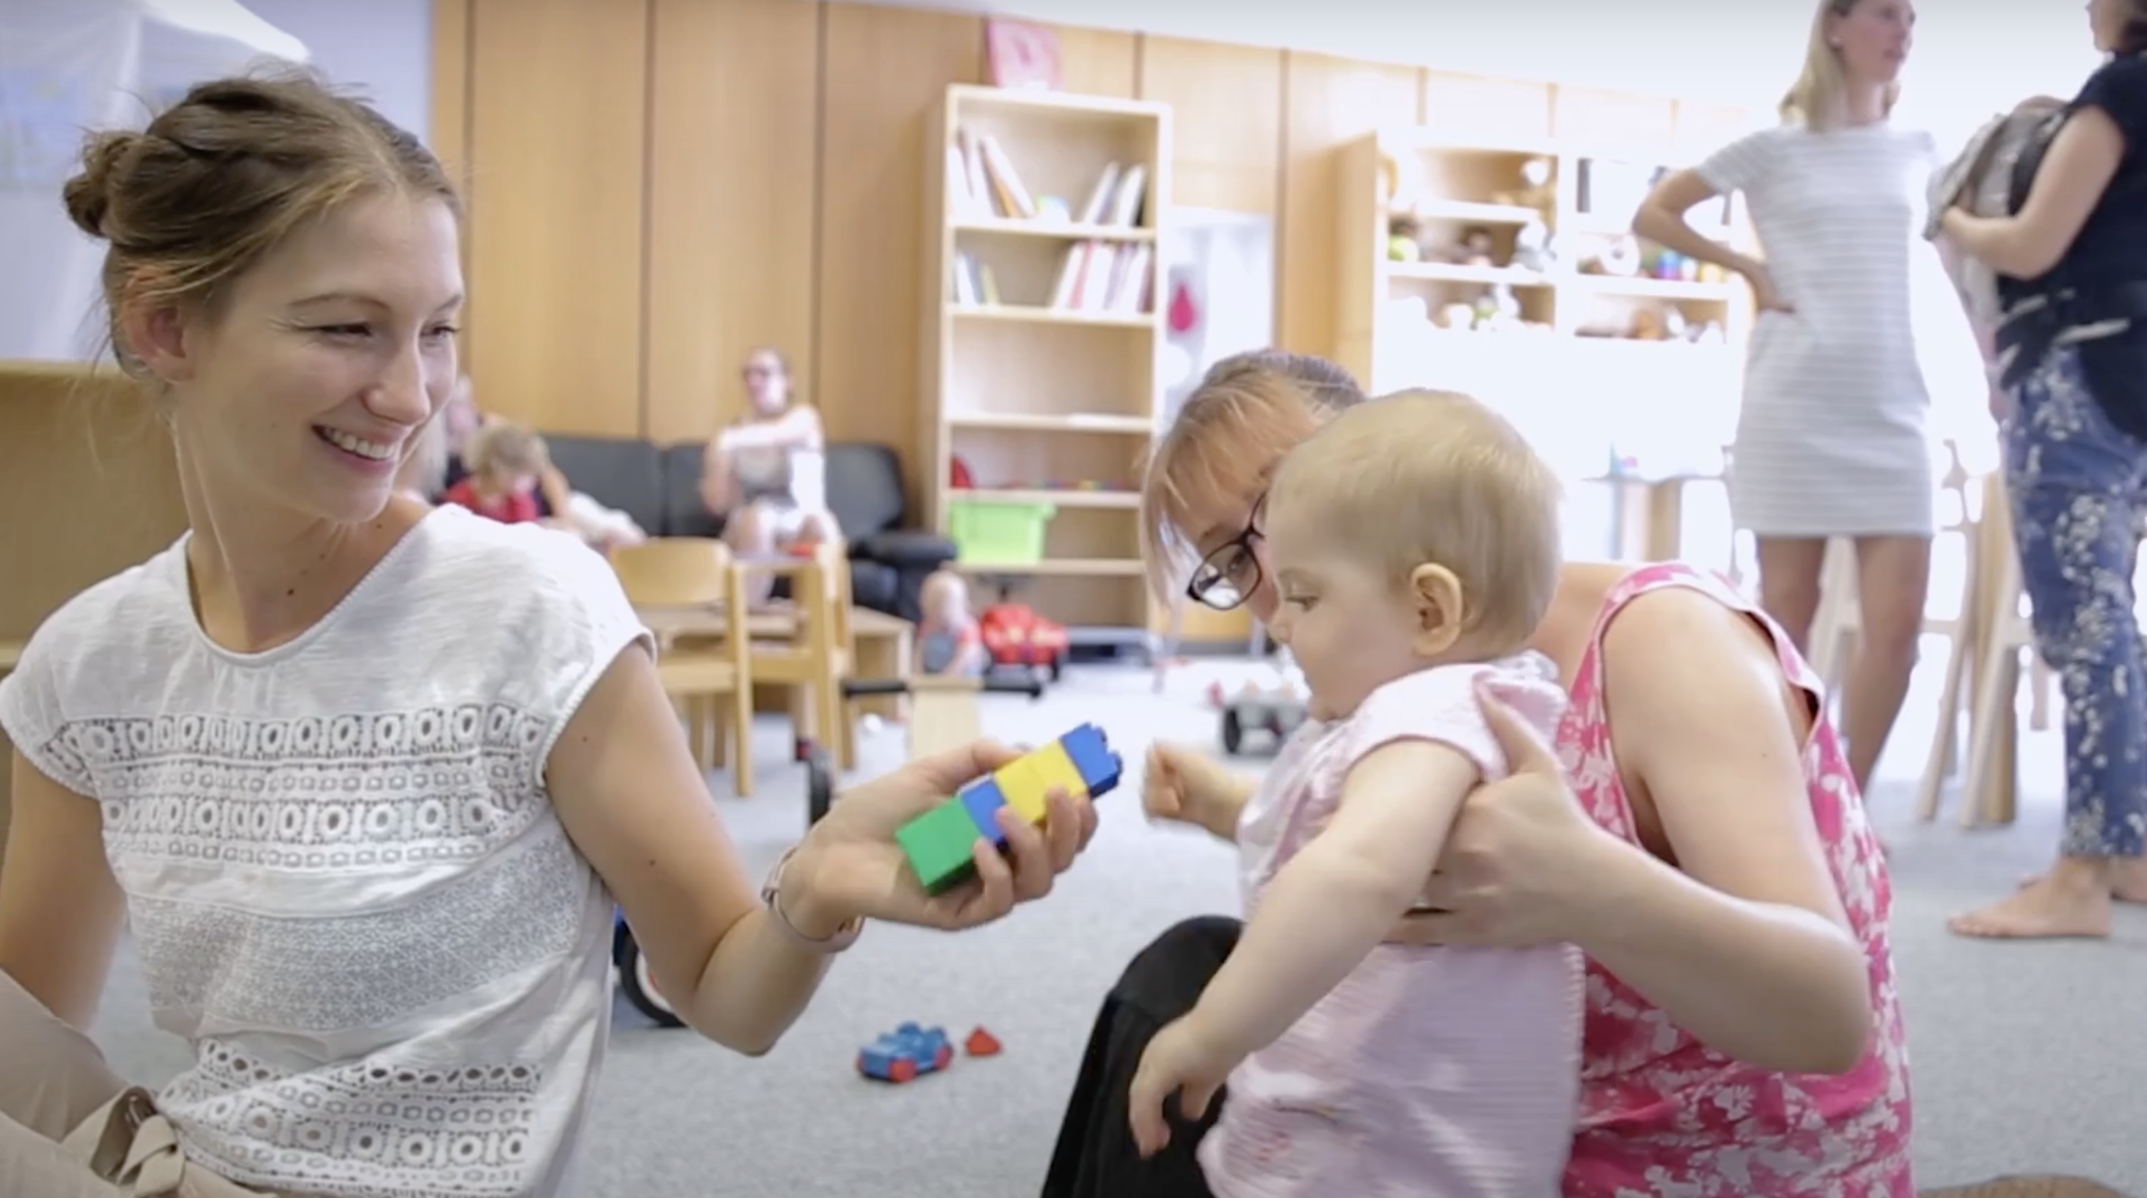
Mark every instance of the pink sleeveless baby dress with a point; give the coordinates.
(1661, 1113)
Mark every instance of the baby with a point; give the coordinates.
(1414, 543)
(506, 463)
(948, 641)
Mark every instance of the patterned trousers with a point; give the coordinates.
(2079, 494)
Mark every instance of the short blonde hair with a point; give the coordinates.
(1248, 411)
(1437, 477)
(507, 447)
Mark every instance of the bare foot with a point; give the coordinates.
(2128, 879)
(2071, 901)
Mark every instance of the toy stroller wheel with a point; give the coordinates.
(819, 784)
(1233, 732)
(904, 1070)
(944, 1057)
(640, 987)
(1058, 665)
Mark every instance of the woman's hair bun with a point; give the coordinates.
(89, 194)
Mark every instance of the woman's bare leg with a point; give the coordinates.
(750, 532)
(1893, 577)
(1789, 571)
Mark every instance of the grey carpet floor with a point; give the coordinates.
(2024, 1055)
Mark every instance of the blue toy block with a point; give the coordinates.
(982, 800)
(1092, 755)
(906, 1054)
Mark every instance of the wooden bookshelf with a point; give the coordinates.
(1506, 268)
(1041, 335)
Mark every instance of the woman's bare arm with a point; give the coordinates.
(628, 792)
(61, 910)
(2076, 170)
(1743, 942)
(1661, 219)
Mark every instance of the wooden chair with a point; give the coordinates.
(818, 654)
(702, 672)
(1983, 677)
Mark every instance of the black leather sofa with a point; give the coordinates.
(660, 487)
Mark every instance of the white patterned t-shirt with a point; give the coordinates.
(344, 876)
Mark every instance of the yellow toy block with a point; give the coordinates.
(1055, 767)
(1021, 783)
(1027, 781)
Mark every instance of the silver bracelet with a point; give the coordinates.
(771, 894)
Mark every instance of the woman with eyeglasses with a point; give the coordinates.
(1703, 843)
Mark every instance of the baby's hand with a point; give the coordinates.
(1176, 1061)
(1184, 786)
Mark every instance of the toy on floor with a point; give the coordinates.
(938, 843)
(942, 716)
(635, 981)
(981, 1044)
(906, 1054)
(1275, 709)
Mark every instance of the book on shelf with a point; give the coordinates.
(982, 184)
(1105, 277)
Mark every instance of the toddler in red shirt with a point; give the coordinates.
(506, 462)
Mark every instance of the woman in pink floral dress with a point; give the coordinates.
(1704, 845)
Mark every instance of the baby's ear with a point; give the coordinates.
(1435, 594)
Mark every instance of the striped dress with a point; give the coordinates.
(1833, 438)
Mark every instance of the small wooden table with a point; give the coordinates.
(882, 643)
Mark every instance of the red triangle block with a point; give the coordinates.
(981, 1044)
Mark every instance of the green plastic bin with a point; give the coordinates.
(990, 532)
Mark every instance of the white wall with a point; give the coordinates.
(381, 49)
(1973, 56)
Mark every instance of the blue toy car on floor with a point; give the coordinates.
(906, 1053)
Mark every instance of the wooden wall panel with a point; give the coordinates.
(1326, 102)
(88, 487)
(1098, 62)
(1479, 107)
(558, 133)
(1226, 115)
(881, 71)
(449, 135)
(733, 190)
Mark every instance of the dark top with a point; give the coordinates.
(2112, 245)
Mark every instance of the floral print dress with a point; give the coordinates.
(1664, 1116)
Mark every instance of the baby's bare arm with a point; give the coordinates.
(1340, 895)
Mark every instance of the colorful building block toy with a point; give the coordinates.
(906, 1054)
(938, 842)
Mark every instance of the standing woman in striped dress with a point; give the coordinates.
(1833, 438)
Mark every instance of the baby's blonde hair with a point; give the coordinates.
(1436, 477)
(506, 447)
(1248, 411)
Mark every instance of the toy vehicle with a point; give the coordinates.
(1274, 710)
(635, 980)
(1015, 635)
(906, 1054)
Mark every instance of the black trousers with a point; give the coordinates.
(1096, 1157)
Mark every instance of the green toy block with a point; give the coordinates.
(940, 845)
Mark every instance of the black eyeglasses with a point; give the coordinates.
(1230, 573)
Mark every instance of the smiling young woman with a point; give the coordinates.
(363, 778)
